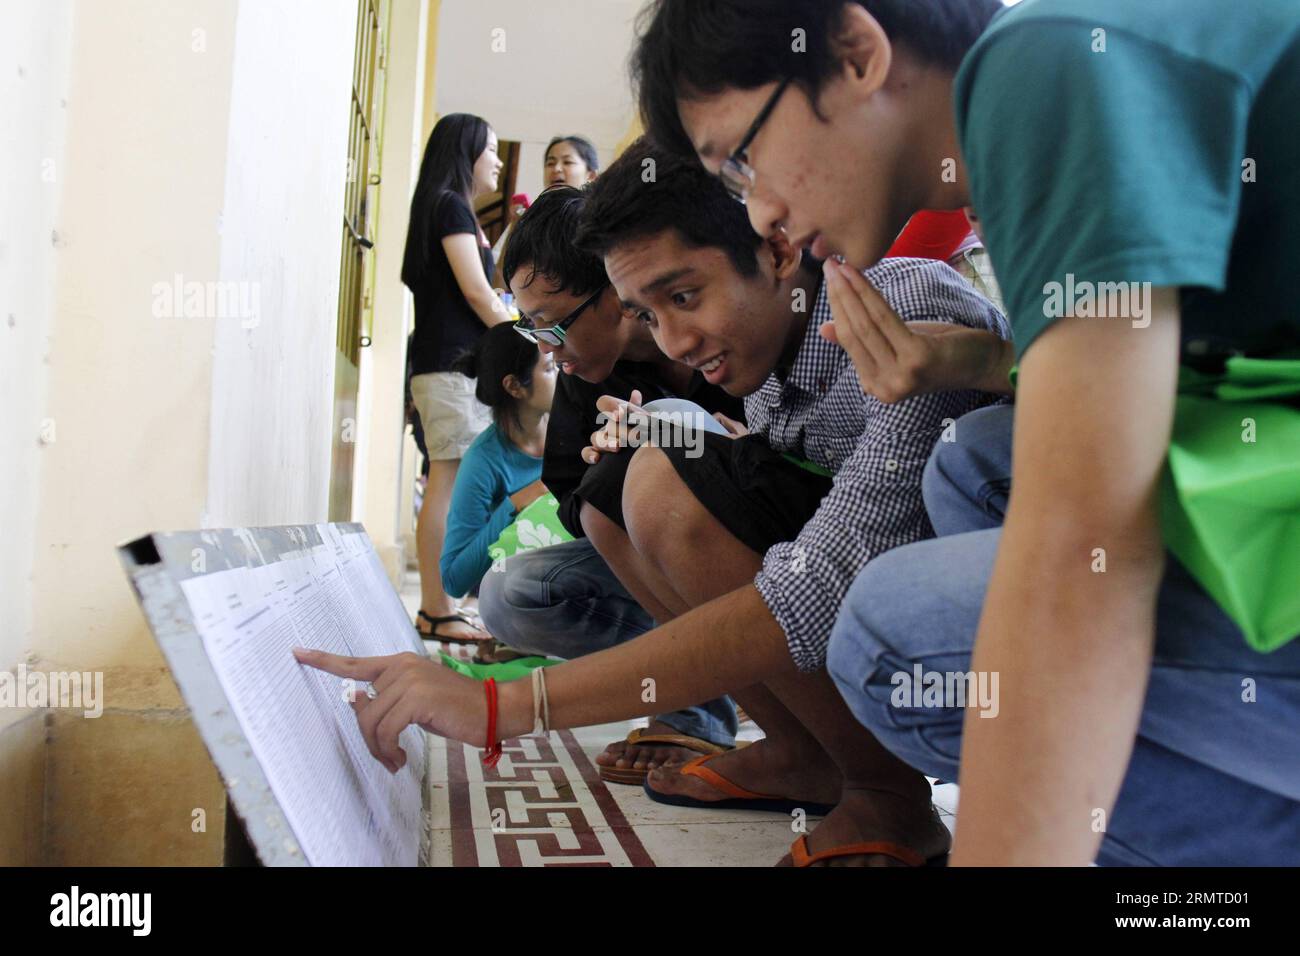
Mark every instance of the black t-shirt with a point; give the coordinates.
(445, 324)
(573, 419)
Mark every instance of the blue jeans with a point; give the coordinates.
(564, 601)
(1213, 779)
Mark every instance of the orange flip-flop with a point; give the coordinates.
(908, 857)
(738, 798)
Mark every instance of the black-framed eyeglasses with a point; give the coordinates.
(736, 173)
(553, 335)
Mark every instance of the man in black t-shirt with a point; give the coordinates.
(564, 600)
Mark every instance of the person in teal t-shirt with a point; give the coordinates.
(1134, 167)
(501, 473)
(1163, 150)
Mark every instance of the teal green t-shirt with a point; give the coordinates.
(1134, 141)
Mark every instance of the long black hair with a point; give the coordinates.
(454, 146)
(500, 351)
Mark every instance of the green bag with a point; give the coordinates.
(509, 670)
(537, 526)
(1230, 493)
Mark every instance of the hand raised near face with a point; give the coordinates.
(896, 359)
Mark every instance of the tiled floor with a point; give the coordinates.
(544, 804)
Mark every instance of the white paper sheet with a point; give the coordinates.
(344, 807)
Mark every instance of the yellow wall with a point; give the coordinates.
(385, 462)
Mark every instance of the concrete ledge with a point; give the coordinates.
(22, 790)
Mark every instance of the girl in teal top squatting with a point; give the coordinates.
(501, 472)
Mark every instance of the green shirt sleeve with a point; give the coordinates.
(1116, 166)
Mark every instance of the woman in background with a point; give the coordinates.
(570, 161)
(448, 266)
(501, 473)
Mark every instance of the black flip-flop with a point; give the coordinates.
(433, 635)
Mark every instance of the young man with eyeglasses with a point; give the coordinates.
(1146, 146)
(564, 600)
(777, 519)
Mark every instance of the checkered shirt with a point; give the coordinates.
(876, 452)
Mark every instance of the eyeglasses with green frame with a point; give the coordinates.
(736, 173)
(553, 335)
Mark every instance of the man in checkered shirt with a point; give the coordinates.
(775, 520)
(860, 459)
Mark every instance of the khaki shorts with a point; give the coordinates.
(449, 413)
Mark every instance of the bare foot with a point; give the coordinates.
(493, 651)
(768, 767)
(866, 816)
(645, 756)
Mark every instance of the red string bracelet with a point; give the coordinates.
(493, 752)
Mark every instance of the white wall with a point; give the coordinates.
(34, 48)
(147, 143)
(563, 71)
(125, 389)
(273, 377)
(114, 122)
